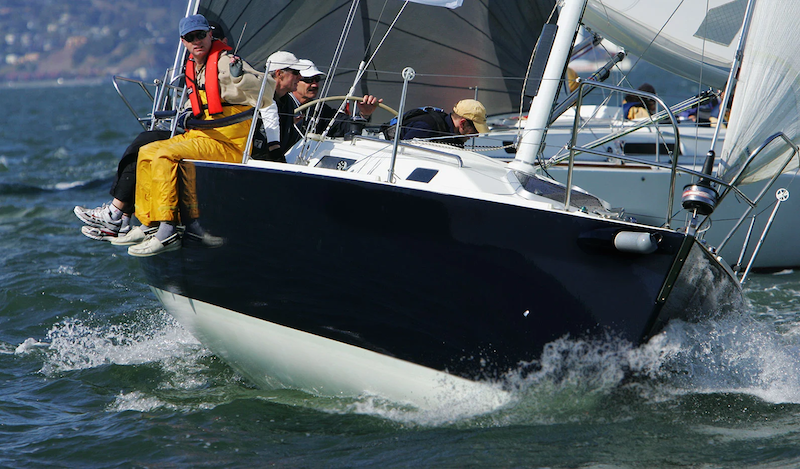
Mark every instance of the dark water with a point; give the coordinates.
(95, 374)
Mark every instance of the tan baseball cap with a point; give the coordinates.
(474, 111)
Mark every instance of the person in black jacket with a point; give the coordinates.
(293, 125)
(468, 118)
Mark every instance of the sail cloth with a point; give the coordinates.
(695, 39)
(440, 3)
(483, 44)
(766, 100)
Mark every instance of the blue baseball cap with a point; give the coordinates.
(193, 23)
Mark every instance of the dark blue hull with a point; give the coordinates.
(468, 286)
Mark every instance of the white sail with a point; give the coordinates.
(694, 39)
(767, 93)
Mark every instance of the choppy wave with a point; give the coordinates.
(32, 189)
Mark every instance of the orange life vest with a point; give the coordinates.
(212, 82)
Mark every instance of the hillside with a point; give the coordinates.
(69, 39)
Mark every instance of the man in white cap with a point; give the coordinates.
(468, 118)
(308, 90)
(285, 68)
(216, 90)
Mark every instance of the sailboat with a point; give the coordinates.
(417, 272)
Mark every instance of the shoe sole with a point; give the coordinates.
(172, 246)
(97, 234)
(121, 241)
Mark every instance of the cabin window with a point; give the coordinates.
(422, 175)
(630, 148)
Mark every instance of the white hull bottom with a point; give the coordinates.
(275, 357)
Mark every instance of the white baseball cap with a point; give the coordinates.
(311, 70)
(282, 59)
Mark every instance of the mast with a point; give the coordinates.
(542, 104)
(180, 55)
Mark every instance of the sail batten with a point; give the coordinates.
(767, 97)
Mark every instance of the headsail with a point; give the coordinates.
(767, 98)
(694, 39)
(481, 44)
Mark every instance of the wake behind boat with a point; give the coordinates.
(415, 271)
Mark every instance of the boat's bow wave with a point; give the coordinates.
(573, 380)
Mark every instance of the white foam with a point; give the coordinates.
(76, 345)
(736, 354)
(137, 401)
(62, 186)
(64, 270)
(784, 272)
(140, 402)
(28, 345)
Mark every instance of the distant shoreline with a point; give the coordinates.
(55, 82)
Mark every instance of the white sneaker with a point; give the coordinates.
(136, 235)
(151, 246)
(99, 217)
(103, 235)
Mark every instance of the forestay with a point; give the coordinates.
(767, 93)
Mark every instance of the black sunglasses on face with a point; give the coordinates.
(291, 70)
(190, 37)
(315, 79)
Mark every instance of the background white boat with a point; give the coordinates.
(641, 189)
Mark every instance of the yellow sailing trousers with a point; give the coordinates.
(158, 171)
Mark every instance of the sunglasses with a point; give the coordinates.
(314, 79)
(191, 37)
(290, 70)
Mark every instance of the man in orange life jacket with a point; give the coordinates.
(112, 221)
(218, 88)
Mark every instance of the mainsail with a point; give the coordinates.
(483, 45)
(693, 39)
(766, 99)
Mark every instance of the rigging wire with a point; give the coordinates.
(332, 71)
(700, 86)
(361, 69)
